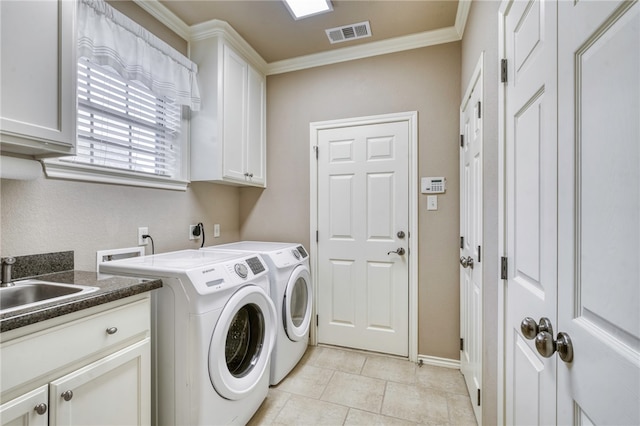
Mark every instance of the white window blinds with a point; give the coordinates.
(122, 125)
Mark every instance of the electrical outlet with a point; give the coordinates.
(191, 229)
(216, 230)
(143, 231)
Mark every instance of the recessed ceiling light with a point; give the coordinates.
(304, 8)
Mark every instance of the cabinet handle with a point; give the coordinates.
(41, 408)
(112, 330)
(67, 395)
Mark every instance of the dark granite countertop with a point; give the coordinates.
(111, 288)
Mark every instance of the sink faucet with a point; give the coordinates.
(6, 271)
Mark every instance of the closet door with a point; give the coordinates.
(530, 208)
(599, 211)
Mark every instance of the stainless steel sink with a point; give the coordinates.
(29, 293)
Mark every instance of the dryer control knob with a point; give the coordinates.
(241, 270)
(296, 253)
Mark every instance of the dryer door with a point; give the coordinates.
(242, 342)
(297, 304)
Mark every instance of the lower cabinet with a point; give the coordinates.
(28, 409)
(114, 388)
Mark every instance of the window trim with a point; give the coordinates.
(57, 169)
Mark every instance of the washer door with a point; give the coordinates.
(242, 342)
(297, 304)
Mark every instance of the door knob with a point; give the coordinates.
(399, 251)
(67, 395)
(530, 328)
(466, 262)
(400, 234)
(547, 346)
(41, 408)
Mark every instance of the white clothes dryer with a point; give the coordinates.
(213, 331)
(292, 294)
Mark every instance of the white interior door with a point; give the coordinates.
(599, 211)
(574, 173)
(363, 219)
(471, 240)
(531, 206)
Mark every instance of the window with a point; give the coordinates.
(122, 125)
(130, 126)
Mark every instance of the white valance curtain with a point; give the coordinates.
(107, 37)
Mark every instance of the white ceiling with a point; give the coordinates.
(269, 29)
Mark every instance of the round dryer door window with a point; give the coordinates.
(297, 304)
(242, 342)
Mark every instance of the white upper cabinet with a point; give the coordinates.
(38, 77)
(228, 133)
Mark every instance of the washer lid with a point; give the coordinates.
(177, 262)
(253, 246)
(207, 271)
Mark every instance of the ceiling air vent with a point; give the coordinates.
(349, 32)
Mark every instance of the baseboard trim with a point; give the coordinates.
(439, 362)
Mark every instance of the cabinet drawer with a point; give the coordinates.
(33, 356)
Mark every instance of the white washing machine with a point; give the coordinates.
(292, 295)
(213, 331)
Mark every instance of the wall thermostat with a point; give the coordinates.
(433, 185)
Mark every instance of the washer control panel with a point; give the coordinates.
(292, 255)
(218, 277)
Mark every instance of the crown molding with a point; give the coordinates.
(221, 28)
(217, 28)
(461, 16)
(383, 47)
(165, 16)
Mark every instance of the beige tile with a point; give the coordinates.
(305, 411)
(270, 408)
(415, 403)
(306, 380)
(460, 410)
(365, 418)
(355, 391)
(308, 354)
(393, 369)
(338, 359)
(442, 379)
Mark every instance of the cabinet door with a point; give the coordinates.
(256, 147)
(115, 390)
(234, 113)
(38, 76)
(28, 409)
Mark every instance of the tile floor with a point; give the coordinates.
(332, 386)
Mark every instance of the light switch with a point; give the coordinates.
(432, 202)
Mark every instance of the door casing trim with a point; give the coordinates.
(411, 117)
(505, 6)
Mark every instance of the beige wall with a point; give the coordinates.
(426, 80)
(135, 12)
(47, 215)
(481, 35)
